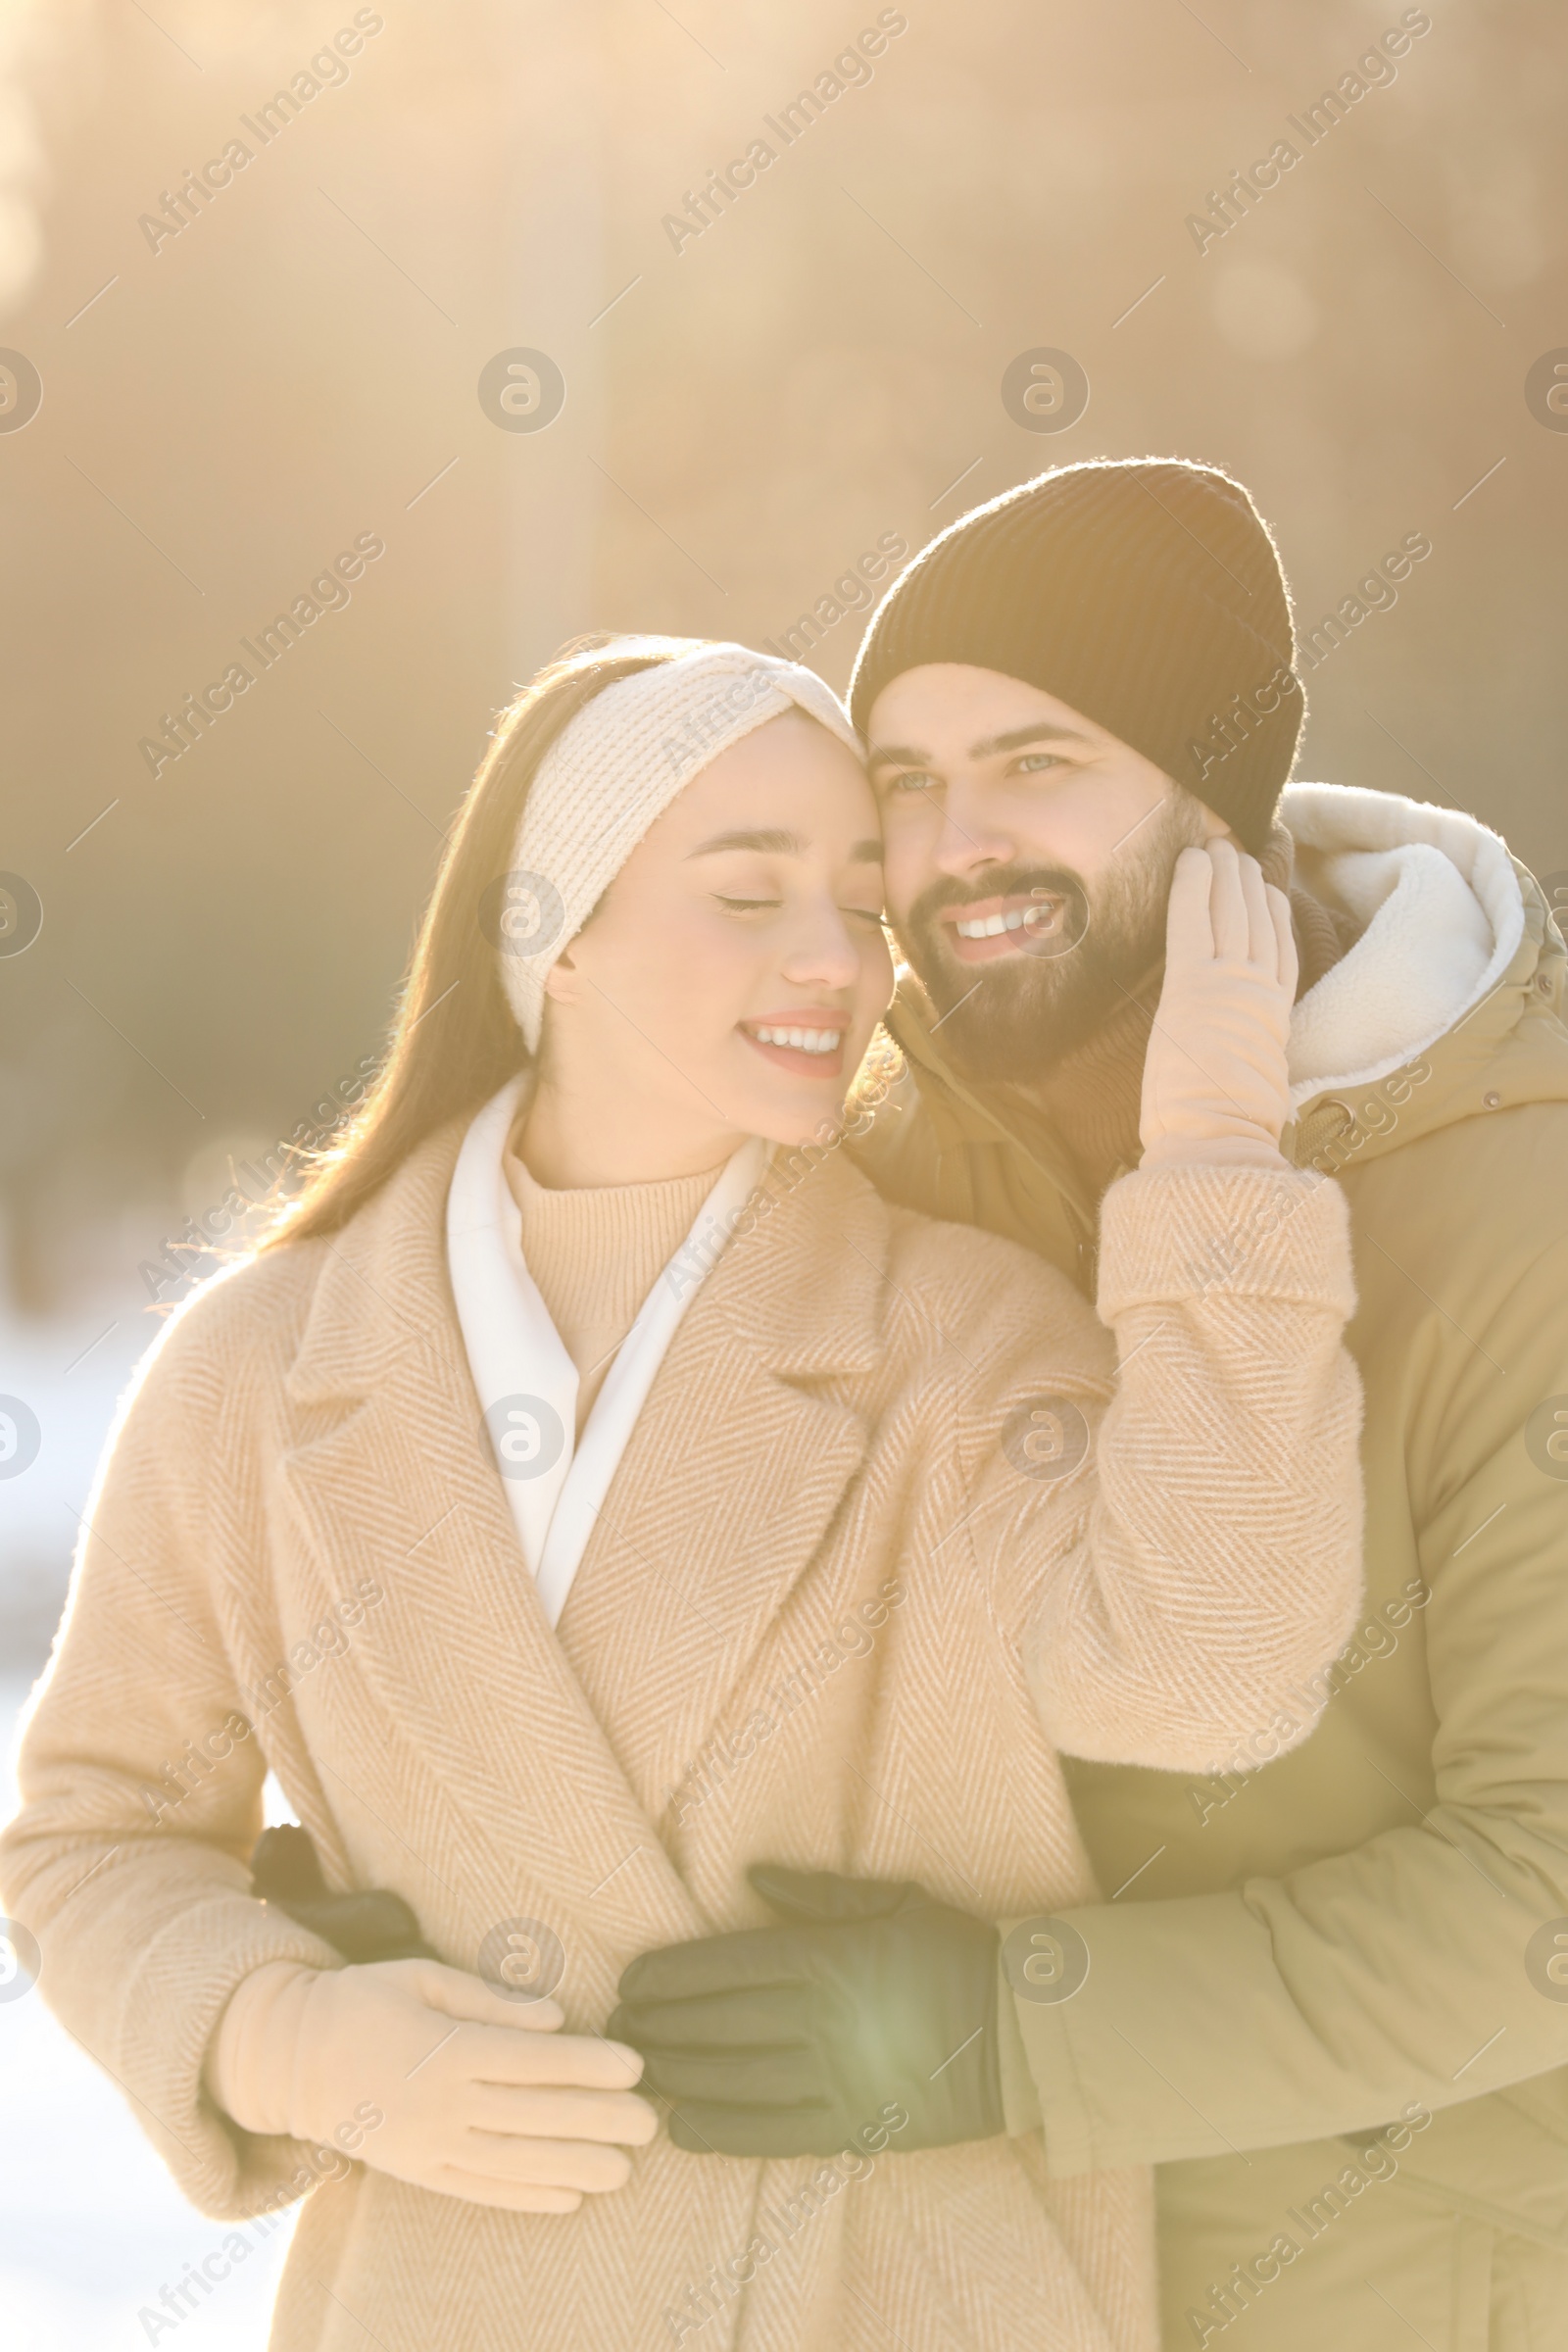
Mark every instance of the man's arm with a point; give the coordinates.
(1292, 2008)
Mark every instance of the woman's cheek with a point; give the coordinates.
(876, 989)
(709, 971)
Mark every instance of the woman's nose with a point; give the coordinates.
(824, 953)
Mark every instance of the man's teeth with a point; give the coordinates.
(805, 1041)
(992, 926)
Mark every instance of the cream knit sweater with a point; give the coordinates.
(595, 1252)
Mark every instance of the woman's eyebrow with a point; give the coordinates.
(772, 843)
(781, 845)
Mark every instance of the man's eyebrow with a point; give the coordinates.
(1044, 730)
(1041, 730)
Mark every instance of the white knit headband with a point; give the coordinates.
(611, 772)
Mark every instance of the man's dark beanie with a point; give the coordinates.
(1145, 592)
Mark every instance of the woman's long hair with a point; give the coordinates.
(455, 1039)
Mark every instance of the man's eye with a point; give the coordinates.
(1032, 761)
(912, 780)
(744, 905)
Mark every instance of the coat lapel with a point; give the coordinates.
(397, 1484)
(733, 1475)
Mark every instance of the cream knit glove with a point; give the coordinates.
(423, 2071)
(1216, 1090)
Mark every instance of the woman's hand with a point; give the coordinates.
(1215, 1084)
(478, 2096)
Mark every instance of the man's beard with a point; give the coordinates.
(1020, 1016)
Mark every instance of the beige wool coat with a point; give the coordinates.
(843, 1604)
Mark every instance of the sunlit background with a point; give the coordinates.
(764, 391)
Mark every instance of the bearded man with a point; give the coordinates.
(1326, 1995)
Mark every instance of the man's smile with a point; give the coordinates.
(980, 930)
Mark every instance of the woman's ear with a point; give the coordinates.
(561, 981)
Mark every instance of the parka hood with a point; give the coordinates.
(1441, 912)
(1457, 972)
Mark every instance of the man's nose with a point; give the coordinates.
(970, 839)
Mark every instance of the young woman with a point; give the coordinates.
(593, 1491)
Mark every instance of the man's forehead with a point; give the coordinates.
(959, 710)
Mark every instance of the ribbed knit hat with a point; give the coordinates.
(1145, 592)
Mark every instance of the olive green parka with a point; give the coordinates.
(1328, 1994)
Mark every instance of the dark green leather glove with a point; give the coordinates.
(791, 2040)
(376, 1924)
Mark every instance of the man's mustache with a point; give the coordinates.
(1008, 882)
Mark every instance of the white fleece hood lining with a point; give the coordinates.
(1444, 914)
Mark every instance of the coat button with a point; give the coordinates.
(1493, 1101)
(1543, 983)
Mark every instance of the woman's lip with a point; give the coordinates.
(800, 1016)
(827, 1064)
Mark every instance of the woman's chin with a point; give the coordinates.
(817, 1119)
(784, 1097)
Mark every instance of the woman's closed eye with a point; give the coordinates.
(872, 916)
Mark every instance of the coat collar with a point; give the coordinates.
(379, 1280)
(383, 1286)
